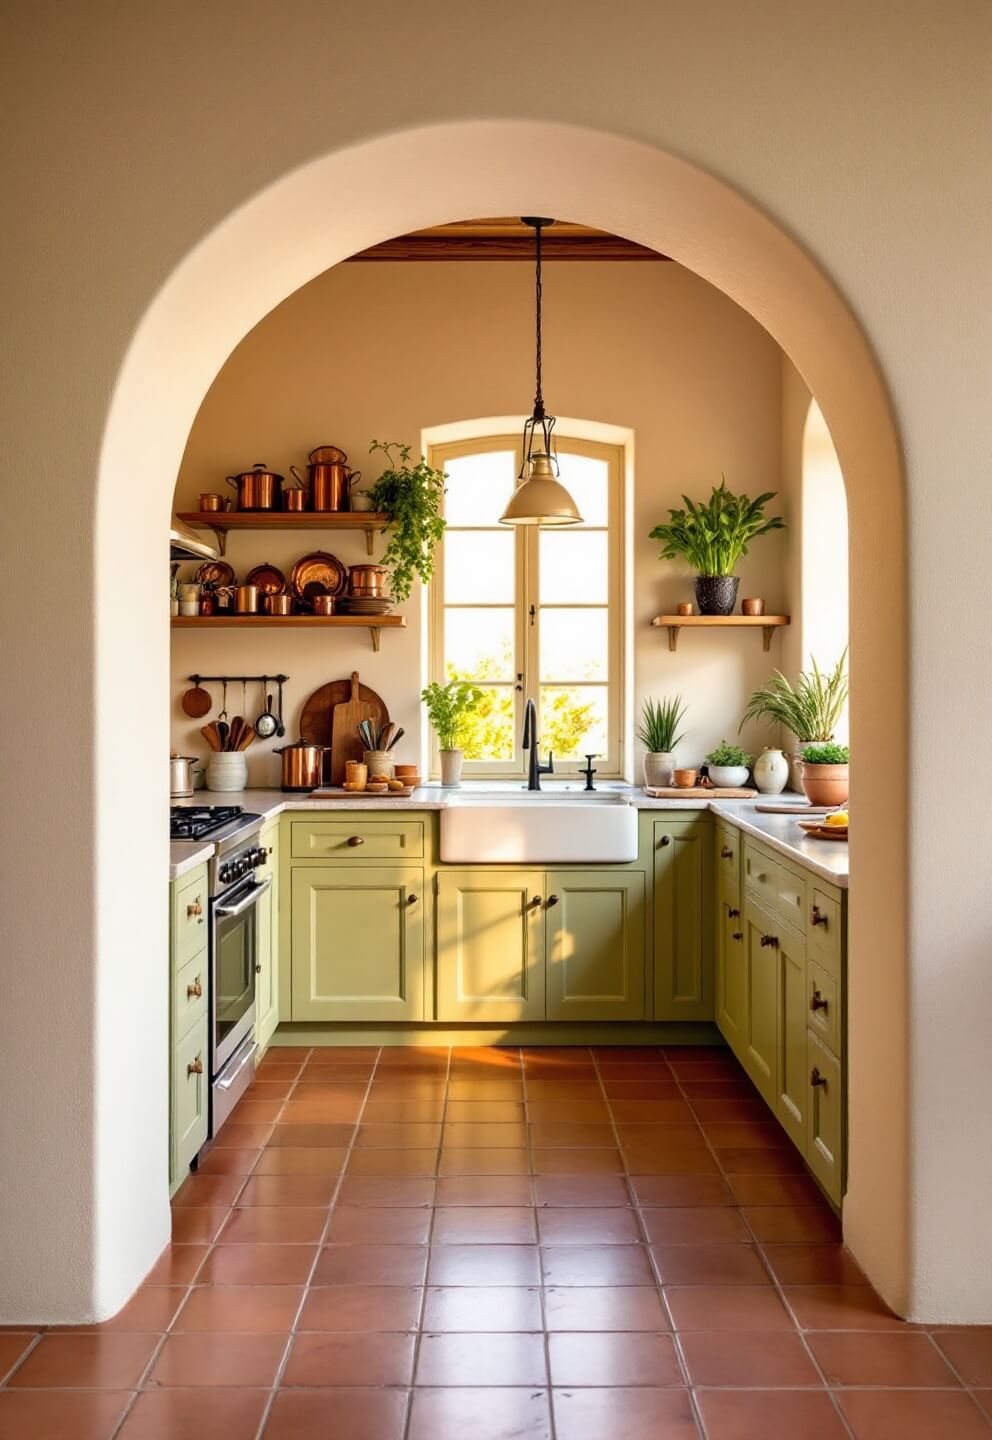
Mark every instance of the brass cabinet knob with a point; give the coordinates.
(552, 900)
(195, 909)
(771, 940)
(738, 934)
(818, 1003)
(726, 853)
(195, 1067)
(534, 901)
(817, 1079)
(734, 914)
(411, 899)
(356, 840)
(194, 991)
(258, 969)
(817, 916)
(665, 840)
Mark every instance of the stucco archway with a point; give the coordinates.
(277, 241)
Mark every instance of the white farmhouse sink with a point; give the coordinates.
(538, 830)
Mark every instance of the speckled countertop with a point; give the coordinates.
(826, 858)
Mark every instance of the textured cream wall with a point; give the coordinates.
(132, 135)
(390, 349)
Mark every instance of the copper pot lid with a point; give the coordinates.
(257, 472)
(318, 573)
(268, 578)
(327, 455)
(216, 573)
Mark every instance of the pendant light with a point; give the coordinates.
(540, 498)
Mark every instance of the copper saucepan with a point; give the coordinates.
(301, 765)
(258, 488)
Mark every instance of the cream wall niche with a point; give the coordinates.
(385, 350)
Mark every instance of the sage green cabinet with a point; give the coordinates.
(824, 1138)
(760, 1049)
(792, 1074)
(683, 919)
(189, 1064)
(357, 942)
(190, 1098)
(267, 966)
(731, 975)
(594, 944)
(490, 945)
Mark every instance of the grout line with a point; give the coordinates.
(542, 1295)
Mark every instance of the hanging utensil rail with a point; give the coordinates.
(237, 679)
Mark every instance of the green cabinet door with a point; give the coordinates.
(490, 945)
(759, 1054)
(358, 942)
(793, 1012)
(683, 919)
(190, 1097)
(267, 966)
(731, 975)
(825, 1117)
(594, 933)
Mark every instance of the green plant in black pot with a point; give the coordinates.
(713, 537)
(411, 495)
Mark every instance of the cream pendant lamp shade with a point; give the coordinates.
(540, 498)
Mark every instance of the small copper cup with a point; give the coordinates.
(323, 604)
(685, 607)
(294, 500)
(211, 502)
(753, 606)
(246, 599)
(279, 604)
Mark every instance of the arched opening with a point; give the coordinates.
(224, 287)
(824, 540)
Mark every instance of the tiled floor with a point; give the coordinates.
(500, 1245)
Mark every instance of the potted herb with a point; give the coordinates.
(411, 496)
(657, 732)
(728, 765)
(448, 707)
(825, 774)
(713, 537)
(811, 709)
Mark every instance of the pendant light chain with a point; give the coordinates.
(538, 292)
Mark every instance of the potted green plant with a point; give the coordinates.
(411, 495)
(728, 765)
(713, 537)
(448, 707)
(659, 733)
(825, 774)
(811, 709)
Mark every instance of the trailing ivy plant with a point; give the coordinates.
(411, 496)
(712, 536)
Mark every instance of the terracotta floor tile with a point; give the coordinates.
(319, 1112)
(900, 1359)
(351, 1225)
(485, 1190)
(335, 1054)
(13, 1345)
(486, 1089)
(788, 1224)
(710, 1265)
(499, 1414)
(496, 1358)
(706, 1069)
(595, 1265)
(484, 1225)
(228, 1162)
(177, 1265)
(207, 1190)
(665, 1134)
(709, 1112)
(646, 1157)
(746, 1160)
(87, 1360)
(371, 1265)
(576, 1162)
(195, 1414)
(595, 1190)
(392, 1162)
(484, 1265)
(813, 1265)
(297, 1054)
(749, 1358)
(680, 1190)
(196, 1225)
(775, 1190)
(913, 1415)
(605, 1307)
(642, 1070)
(485, 1112)
(237, 1135)
(149, 1310)
(698, 1225)
(707, 1088)
(277, 1070)
(652, 1112)
(575, 1225)
(361, 1307)
(391, 1112)
(60, 1414)
(274, 1225)
(486, 1057)
(470, 1308)
(580, 1094)
(557, 1134)
(305, 1160)
(970, 1352)
(351, 1358)
(609, 1358)
(406, 1087)
(333, 1086)
(296, 1191)
(325, 1136)
(591, 1112)
(467, 1135)
(484, 1162)
(641, 1414)
(343, 1414)
(216, 1360)
(265, 1088)
(770, 1415)
(258, 1265)
(696, 1054)
(388, 1190)
(744, 1134)
(256, 1308)
(252, 1114)
(404, 1135)
(840, 1307)
(727, 1307)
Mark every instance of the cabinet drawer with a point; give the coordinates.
(190, 1095)
(824, 1005)
(728, 862)
(825, 929)
(190, 907)
(358, 838)
(189, 995)
(778, 888)
(825, 1118)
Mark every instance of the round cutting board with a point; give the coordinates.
(317, 719)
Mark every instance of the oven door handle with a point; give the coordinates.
(229, 1080)
(228, 912)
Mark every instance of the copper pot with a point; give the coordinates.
(294, 499)
(323, 604)
(367, 580)
(211, 502)
(329, 481)
(279, 604)
(258, 488)
(246, 599)
(301, 765)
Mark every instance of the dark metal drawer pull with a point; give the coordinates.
(818, 1002)
(817, 1079)
(817, 916)
(726, 853)
(771, 940)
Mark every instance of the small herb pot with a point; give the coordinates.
(825, 784)
(451, 768)
(716, 594)
(729, 777)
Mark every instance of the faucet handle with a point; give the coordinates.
(548, 769)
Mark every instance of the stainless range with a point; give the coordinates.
(233, 930)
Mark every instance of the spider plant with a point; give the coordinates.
(714, 536)
(811, 708)
(660, 719)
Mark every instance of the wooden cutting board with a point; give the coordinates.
(346, 743)
(317, 724)
(698, 792)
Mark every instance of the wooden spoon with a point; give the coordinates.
(209, 733)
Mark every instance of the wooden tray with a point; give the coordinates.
(823, 832)
(334, 793)
(317, 719)
(698, 792)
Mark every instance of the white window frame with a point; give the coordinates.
(526, 629)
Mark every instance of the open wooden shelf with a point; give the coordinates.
(768, 624)
(375, 624)
(221, 521)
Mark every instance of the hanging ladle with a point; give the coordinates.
(266, 725)
(223, 729)
(280, 727)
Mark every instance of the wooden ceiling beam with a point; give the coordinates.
(507, 239)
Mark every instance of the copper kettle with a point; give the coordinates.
(301, 765)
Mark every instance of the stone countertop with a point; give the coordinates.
(827, 859)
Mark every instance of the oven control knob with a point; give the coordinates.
(224, 874)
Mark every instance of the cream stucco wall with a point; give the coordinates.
(392, 349)
(856, 140)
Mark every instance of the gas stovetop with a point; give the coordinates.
(195, 822)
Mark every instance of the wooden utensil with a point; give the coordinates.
(317, 720)
(346, 743)
(794, 809)
(698, 792)
(246, 738)
(197, 702)
(211, 735)
(236, 733)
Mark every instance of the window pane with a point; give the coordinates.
(588, 481)
(574, 567)
(574, 645)
(478, 567)
(478, 644)
(479, 487)
(573, 720)
(487, 734)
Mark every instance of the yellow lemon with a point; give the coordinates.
(838, 818)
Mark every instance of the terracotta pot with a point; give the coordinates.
(825, 784)
(685, 779)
